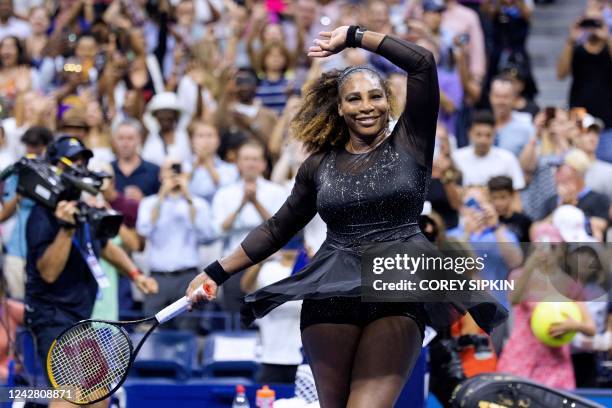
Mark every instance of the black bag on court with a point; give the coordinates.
(494, 390)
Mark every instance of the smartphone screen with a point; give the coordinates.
(472, 203)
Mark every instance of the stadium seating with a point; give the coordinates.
(230, 354)
(168, 354)
(32, 370)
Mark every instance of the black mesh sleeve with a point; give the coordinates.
(416, 129)
(299, 208)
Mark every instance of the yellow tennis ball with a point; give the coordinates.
(547, 313)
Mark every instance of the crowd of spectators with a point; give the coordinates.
(187, 104)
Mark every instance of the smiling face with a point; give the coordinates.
(9, 53)
(363, 104)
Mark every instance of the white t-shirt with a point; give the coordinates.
(477, 170)
(15, 27)
(280, 329)
(12, 137)
(155, 151)
(6, 159)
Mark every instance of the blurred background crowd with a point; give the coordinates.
(188, 104)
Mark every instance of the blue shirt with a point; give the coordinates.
(173, 239)
(145, 177)
(75, 289)
(202, 185)
(515, 134)
(17, 245)
(485, 245)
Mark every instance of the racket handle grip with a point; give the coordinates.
(178, 307)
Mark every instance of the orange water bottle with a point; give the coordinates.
(265, 397)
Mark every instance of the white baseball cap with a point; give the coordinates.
(571, 223)
(590, 120)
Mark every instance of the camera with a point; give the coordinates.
(46, 185)
(590, 23)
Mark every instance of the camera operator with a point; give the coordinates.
(63, 272)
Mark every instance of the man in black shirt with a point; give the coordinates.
(134, 177)
(501, 192)
(62, 254)
(590, 63)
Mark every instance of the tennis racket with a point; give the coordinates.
(90, 360)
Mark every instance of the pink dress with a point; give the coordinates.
(525, 356)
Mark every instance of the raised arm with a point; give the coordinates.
(417, 124)
(418, 121)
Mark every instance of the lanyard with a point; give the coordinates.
(89, 256)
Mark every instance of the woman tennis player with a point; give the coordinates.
(368, 184)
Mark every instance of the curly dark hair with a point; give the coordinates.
(317, 123)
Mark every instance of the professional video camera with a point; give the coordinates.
(45, 184)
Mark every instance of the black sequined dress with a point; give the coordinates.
(371, 197)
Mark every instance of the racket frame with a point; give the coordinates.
(169, 312)
(133, 351)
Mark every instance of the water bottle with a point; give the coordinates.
(240, 400)
(265, 397)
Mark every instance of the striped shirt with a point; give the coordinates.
(272, 94)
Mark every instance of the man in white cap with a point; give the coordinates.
(572, 190)
(165, 139)
(599, 175)
(571, 223)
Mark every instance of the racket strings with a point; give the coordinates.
(90, 359)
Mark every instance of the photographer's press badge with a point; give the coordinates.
(96, 270)
(91, 259)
